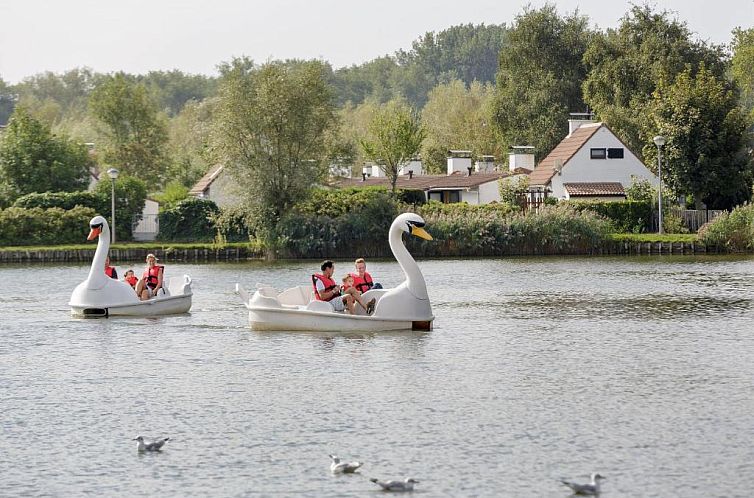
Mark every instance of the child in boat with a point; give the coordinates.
(109, 270)
(347, 283)
(130, 278)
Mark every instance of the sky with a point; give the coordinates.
(138, 36)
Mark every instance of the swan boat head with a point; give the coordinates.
(409, 300)
(99, 290)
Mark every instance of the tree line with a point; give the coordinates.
(278, 126)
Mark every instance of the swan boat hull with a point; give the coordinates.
(292, 310)
(92, 304)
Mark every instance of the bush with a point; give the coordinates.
(37, 226)
(231, 224)
(626, 216)
(553, 230)
(64, 200)
(411, 197)
(190, 221)
(732, 231)
(434, 208)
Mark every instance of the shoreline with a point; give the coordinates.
(245, 252)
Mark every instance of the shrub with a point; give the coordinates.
(626, 216)
(231, 224)
(433, 208)
(37, 226)
(732, 231)
(190, 220)
(64, 200)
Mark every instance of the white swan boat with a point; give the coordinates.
(402, 308)
(102, 296)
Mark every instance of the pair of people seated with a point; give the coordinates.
(150, 282)
(340, 297)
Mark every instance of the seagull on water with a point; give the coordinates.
(407, 485)
(338, 467)
(591, 489)
(141, 446)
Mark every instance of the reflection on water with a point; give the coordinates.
(546, 367)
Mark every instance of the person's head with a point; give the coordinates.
(129, 273)
(327, 267)
(361, 266)
(151, 259)
(348, 280)
(107, 261)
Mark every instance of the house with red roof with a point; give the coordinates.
(590, 163)
(216, 186)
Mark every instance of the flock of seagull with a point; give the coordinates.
(338, 466)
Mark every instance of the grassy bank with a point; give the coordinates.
(687, 238)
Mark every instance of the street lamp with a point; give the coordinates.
(113, 174)
(659, 141)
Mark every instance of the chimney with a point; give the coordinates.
(521, 156)
(363, 177)
(579, 119)
(469, 170)
(458, 161)
(410, 174)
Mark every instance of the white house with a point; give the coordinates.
(590, 163)
(148, 226)
(216, 186)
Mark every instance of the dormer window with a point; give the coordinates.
(598, 153)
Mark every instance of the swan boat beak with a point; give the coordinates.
(420, 232)
(94, 233)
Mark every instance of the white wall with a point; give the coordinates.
(518, 159)
(486, 193)
(222, 191)
(147, 227)
(415, 166)
(581, 168)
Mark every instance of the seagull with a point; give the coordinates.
(399, 486)
(338, 467)
(141, 446)
(591, 489)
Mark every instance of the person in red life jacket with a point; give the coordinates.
(361, 279)
(151, 281)
(347, 282)
(110, 270)
(325, 289)
(130, 278)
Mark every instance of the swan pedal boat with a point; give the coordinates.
(102, 296)
(405, 307)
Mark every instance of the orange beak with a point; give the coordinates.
(94, 233)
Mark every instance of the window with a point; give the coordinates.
(454, 196)
(597, 154)
(615, 153)
(435, 196)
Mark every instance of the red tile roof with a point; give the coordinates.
(204, 182)
(594, 189)
(562, 153)
(426, 182)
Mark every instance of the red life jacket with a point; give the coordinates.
(362, 284)
(327, 282)
(151, 276)
(110, 272)
(132, 280)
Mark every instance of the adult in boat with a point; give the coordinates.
(362, 280)
(151, 280)
(325, 289)
(110, 270)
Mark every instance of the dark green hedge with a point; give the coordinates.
(190, 221)
(626, 216)
(64, 200)
(37, 226)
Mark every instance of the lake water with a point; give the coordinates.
(641, 369)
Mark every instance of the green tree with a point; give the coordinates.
(626, 64)
(190, 145)
(135, 133)
(272, 129)
(458, 116)
(706, 153)
(742, 67)
(394, 136)
(172, 90)
(539, 78)
(7, 101)
(32, 159)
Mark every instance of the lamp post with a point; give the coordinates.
(113, 174)
(659, 141)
